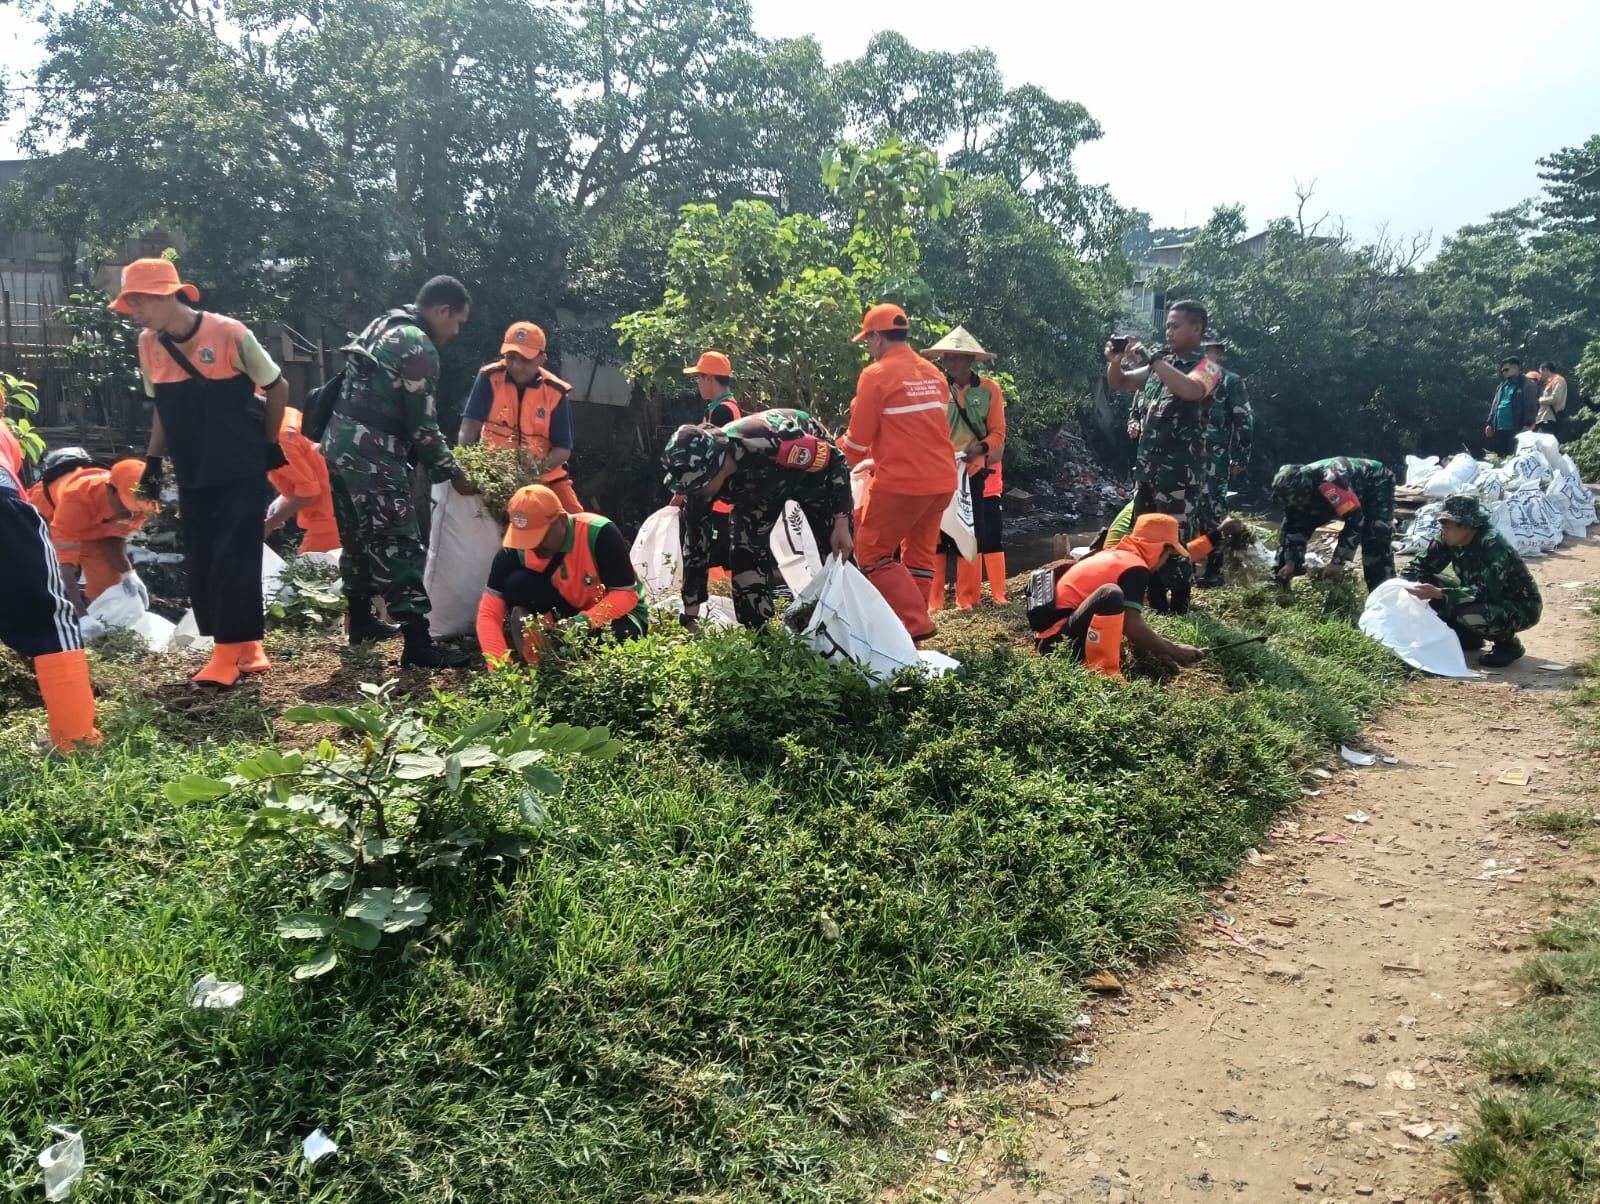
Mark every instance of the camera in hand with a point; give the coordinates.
(1119, 343)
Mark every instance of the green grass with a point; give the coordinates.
(1535, 1134)
(735, 964)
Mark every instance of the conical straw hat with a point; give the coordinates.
(959, 341)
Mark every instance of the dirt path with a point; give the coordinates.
(1319, 1059)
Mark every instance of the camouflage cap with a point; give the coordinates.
(1467, 510)
(1280, 480)
(693, 456)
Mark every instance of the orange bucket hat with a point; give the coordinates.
(152, 277)
(523, 338)
(125, 478)
(711, 363)
(1151, 534)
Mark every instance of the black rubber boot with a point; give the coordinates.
(1502, 654)
(1212, 577)
(422, 653)
(1470, 641)
(362, 626)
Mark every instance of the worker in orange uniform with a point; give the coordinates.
(713, 373)
(557, 566)
(1099, 601)
(36, 616)
(517, 402)
(304, 494)
(900, 419)
(95, 510)
(978, 429)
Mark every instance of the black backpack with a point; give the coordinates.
(317, 409)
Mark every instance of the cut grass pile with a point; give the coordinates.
(1534, 1140)
(735, 961)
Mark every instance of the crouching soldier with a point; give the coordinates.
(1092, 606)
(1493, 596)
(1361, 492)
(757, 463)
(557, 566)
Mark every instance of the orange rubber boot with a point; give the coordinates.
(68, 698)
(941, 575)
(994, 567)
(969, 583)
(253, 658)
(223, 669)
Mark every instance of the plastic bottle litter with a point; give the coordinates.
(62, 1163)
(1355, 757)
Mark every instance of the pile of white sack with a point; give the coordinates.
(1537, 497)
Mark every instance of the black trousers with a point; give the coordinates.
(36, 619)
(221, 526)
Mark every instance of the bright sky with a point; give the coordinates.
(1422, 114)
(1425, 114)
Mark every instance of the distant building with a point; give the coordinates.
(1145, 306)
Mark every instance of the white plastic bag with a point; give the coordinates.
(794, 547)
(1449, 479)
(860, 475)
(62, 1163)
(1529, 522)
(956, 522)
(1424, 528)
(1529, 466)
(462, 542)
(1407, 626)
(187, 636)
(1420, 468)
(657, 554)
(271, 574)
(114, 608)
(1545, 444)
(1578, 512)
(850, 620)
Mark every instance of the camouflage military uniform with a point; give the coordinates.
(1361, 492)
(384, 417)
(1493, 596)
(1229, 426)
(782, 455)
(1170, 469)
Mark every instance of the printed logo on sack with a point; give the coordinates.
(207, 356)
(519, 519)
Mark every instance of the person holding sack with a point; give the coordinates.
(203, 371)
(93, 512)
(977, 427)
(1093, 605)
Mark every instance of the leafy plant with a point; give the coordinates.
(369, 822)
(19, 399)
(498, 472)
(308, 598)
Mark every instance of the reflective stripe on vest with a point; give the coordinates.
(521, 417)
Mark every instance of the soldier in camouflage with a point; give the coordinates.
(1361, 492)
(384, 419)
(1229, 427)
(1170, 425)
(757, 463)
(1493, 595)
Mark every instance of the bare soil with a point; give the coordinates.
(1305, 1045)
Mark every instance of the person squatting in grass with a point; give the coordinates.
(555, 567)
(1493, 596)
(757, 464)
(1170, 424)
(92, 511)
(1360, 492)
(1099, 601)
(37, 619)
(204, 372)
(516, 402)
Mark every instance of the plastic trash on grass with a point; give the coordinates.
(62, 1163)
(213, 993)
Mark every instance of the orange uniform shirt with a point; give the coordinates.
(900, 420)
(83, 514)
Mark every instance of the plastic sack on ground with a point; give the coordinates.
(794, 547)
(956, 522)
(1545, 444)
(462, 542)
(187, 637)
(657, 554)
(937, 664)
(1528, 467)
(1460, 471)
(1424, 528)
(1420, 468)
(716, 610)
(117, 609)
(1580, 510)
(63, 1164)
(1407, 626)
(846, 619)
(1489, 484)
(1529, 522)
(271, 574)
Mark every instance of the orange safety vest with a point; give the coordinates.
(521, 417)
(1102, 649)
(577, 577)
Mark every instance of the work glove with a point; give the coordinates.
(150, 479)
(132, 585)
(275, 458)
(90, 628)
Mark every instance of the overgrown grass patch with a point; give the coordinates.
(735, 960)
(1534, 1136)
